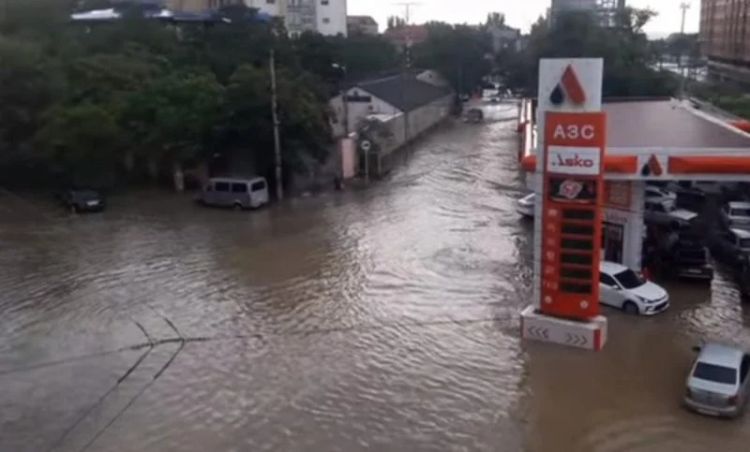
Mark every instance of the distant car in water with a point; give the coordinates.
(82, 200)
(525, 205)
(718, 381)
(736, 215)
(622, 288)
(236, 193)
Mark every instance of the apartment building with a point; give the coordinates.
(725, 39)
(326, 17)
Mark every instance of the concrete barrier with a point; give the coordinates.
(591, 335)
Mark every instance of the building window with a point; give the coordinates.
(270, 2)
(326, 20)
(324, 2)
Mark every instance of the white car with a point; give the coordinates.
(622, 288)
(656, 192)
(526, 205)
(736, 215)
(718, 381)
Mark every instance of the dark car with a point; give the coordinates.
(688, 259)
(742, 278)
(731, 247)
(78, 200)
(691, 263)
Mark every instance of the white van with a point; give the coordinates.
(236, 193)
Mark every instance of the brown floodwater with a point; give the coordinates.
(378, 319)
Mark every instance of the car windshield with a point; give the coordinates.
(740, 213)
(717, 374)
(745, 243)
(629, 279)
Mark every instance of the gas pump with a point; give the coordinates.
(573, 189)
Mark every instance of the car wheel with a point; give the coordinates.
(237, 206)
(630, 308)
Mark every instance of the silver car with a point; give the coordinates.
(736, 215)
(718, 381)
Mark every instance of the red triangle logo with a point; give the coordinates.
(572, 86)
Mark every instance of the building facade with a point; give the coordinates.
(390, 112)
(327, 17)
(725, 40)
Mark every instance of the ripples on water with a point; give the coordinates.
(383, 319)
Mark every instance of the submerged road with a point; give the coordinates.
(382, 319)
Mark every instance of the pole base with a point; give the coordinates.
(586, 335)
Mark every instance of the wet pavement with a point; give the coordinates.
(383, 319)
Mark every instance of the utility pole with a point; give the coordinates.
(684, 6)
(407, 7)
(276, 124)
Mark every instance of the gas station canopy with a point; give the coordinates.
(668, 140)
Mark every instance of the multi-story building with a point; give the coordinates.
(327, 17)
(725, 39)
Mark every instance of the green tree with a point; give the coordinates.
(104, 78)
(495, 19)
(82, 142)
(627, 55)
(459, 53)
(172, 119)
(29, 84)
(304, 124)
(366, 55)
(396, 22)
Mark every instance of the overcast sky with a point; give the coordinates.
(519, 14)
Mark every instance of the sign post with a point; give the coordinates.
(568, 210)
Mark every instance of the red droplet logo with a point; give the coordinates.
(655, 166)
(573, 87)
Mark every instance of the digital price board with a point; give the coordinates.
(573, 190)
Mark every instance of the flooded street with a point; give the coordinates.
(382, 319)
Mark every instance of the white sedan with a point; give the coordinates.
(622, 288)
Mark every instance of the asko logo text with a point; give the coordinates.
(574, 160)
